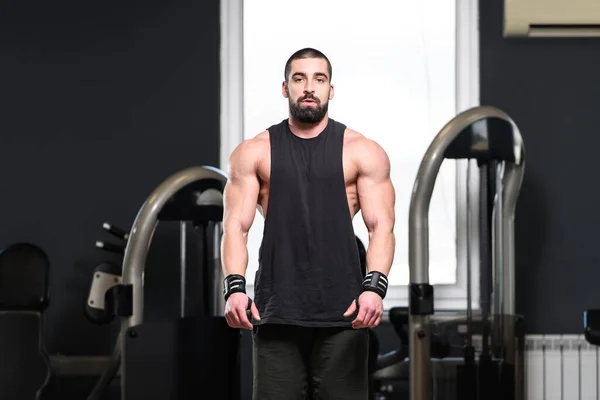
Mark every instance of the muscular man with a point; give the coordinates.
(308, 175)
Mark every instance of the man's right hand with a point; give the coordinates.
(236, 311)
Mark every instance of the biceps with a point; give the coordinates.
(377, 200)
(239, 199)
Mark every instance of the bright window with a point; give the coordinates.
(396, 76)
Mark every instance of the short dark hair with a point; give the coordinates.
(307, 52)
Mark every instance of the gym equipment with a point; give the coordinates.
(25, 365)
(491, 342)
(107, 275)
(116, 231)
(591, 326)
(373, 341)
(391, 370)
(183, 357)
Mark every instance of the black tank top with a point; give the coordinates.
(309, 267)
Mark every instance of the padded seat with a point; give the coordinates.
(24, 364)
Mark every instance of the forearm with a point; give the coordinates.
(380, 252)
(234, 252)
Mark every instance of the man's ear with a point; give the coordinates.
(331, 92)
(284, 90)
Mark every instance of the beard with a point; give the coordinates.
(308, 114)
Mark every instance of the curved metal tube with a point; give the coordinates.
(419, 342)
(141, 236)
(136, 252)
(509, 181)
(109, 373)
(142, 231)
(503, 230)
(512, 180)
(218, 299)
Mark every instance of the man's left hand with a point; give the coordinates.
(370, 310)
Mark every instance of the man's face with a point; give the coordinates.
(308, 90)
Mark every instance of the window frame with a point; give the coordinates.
(447, 297)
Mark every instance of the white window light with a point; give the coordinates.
(412, 69)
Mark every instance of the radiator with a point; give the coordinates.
(561, 367)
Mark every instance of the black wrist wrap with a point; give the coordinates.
(376, 282)
(233, 283)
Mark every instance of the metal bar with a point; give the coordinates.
(419, 325)
(73, 366)
(498, 242)
(141, 236)
(469, 266)
(218, 300)
(183, 264)
(512, 180)
(498, 262)
(143, 229)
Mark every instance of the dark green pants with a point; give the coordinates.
(298, 363)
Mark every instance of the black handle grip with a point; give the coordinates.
(116, 231)
(113, 248)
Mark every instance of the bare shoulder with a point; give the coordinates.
(352, 137)
(245, 157)
(368, 153)
(262, 139)
(252, 145)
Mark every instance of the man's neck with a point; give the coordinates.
(307, 130)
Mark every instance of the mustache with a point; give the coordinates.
(309, 97)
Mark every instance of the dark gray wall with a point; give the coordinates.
(551, 89)
(99, 103)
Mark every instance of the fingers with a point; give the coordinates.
(376, 317)
(377, 321)
(243, 318)
(359, 321)
(229, 320)
(373, 319)
(370, 320)
(350, 309)
(254, 312)
(237, 313)
(238, 318)
(368, 317)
